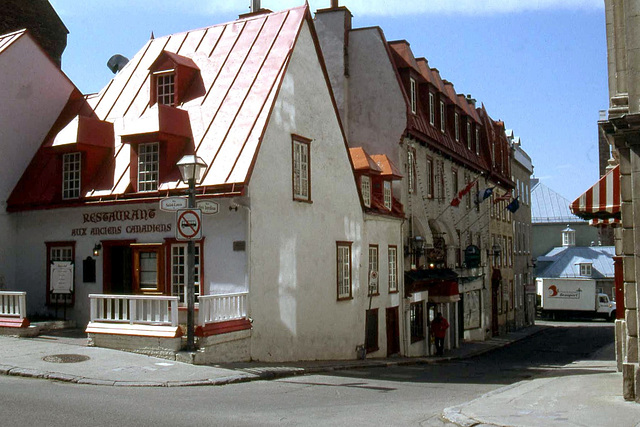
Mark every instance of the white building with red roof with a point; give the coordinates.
(34, 93)
(282, 271)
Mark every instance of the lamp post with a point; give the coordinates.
(192, 170)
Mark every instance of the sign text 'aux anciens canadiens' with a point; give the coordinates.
(106, 223)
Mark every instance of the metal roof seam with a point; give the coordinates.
(275, 38)
(142, 83)
(220, 147)
(204, 34)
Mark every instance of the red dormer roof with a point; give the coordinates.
(241, 68)
(389, 170)
(363, 162)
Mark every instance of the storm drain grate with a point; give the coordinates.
(65, 358)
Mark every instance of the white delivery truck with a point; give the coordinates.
(573, 297)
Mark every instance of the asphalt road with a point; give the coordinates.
(409, 395)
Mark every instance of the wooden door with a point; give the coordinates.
(393, 331)
(148, 271)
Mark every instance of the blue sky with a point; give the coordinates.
(538, 65)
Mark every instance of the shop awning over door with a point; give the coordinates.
(602, 200)
(441, 284)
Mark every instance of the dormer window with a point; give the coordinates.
(365, 188)
(171, 78)
(477, 142)
(457, 126)
(468, 135)
(414, 99)
(387, 194)
(432, 109)
(165, 88)
(71, 173)
(148, 166)
(442, 122)
(585, 269)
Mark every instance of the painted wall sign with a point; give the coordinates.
(172, 204)
(61, 277)
(189, 224)
(122, 215)
(208, 207)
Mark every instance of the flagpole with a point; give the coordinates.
(457, 196)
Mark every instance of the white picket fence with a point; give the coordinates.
(134, 309)
(13, 304)
(222, 307)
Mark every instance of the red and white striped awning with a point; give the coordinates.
(602, 200)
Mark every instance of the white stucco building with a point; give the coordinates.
(289, 234)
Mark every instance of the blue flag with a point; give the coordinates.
(484, 195)
(514, 205)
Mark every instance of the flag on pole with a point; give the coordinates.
(456, 200)
(484, 195)
(514, 205)
(505, 196)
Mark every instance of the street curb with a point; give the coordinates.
(267, 373)
(454, 414)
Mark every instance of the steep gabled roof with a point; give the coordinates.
(241, 67)
(547, 206)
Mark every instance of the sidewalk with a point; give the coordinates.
(63, 357)
(584, 393)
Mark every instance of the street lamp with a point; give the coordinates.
(192, 169)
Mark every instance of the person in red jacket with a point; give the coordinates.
(439, 328)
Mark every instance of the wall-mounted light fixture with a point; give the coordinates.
(96, 249)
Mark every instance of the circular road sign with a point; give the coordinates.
(189, 224)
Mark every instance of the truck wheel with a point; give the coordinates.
(612, 316)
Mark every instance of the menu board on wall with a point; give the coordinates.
(61, 277)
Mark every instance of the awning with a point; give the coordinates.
(441, 284)
(602, 200)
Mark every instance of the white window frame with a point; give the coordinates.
(414, 95)
(387, 194)
(178, 270)
(468, 135)
(410, 171)
(456, 123)
(343, 275)
(166, 87)
(373, 266)
(71, 175)
(432, 109)
(586, 269)
(365, 187)
(442, 117)
(392, 253)
(477, 141)
(430, 178)
(301, 152)
(148, 166)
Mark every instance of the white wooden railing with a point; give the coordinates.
(134, 309)
(13, 304)
(222, 307)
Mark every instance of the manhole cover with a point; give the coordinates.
(65, 358)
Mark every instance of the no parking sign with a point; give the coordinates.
(189, 224)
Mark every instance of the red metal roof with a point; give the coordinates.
(362, 161)
(387, 166)
(241, 66)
